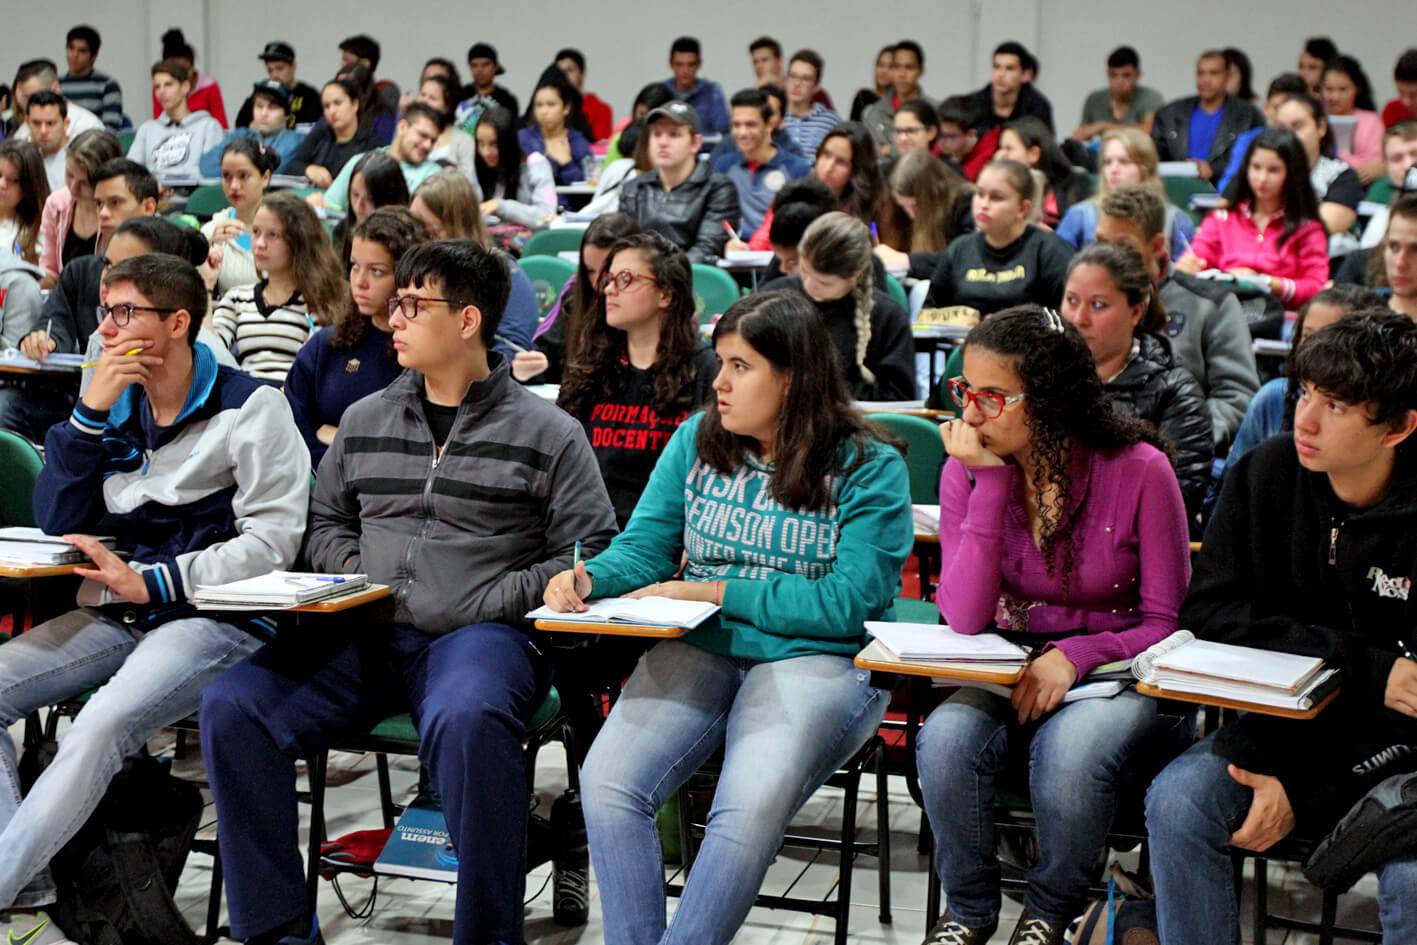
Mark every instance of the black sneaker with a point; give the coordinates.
(570, 862)
(949, 932)
(1032, 930)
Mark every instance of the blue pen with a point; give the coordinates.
(332, 580)
(577, 559)
(875, 236)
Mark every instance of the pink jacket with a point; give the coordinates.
(1228, 239)
(1367, 140)
(54, 224)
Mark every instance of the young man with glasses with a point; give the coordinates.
(465, 493)
(806, 119)
(199, 473)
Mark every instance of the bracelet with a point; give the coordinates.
(716, 593)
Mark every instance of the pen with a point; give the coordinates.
(732, 232)
(319, 578)
(875, 234)
(1405, 651)
(575, 562)
(503, 339)
(92, 363)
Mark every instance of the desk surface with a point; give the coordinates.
(11, 570)
(876, 657)
(356, 598)
(1147, 689)
(611, 629)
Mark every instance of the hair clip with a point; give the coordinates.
(1054, 320)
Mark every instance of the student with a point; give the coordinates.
(24, 190)
(647, 100)
(682, 198)
(463, 577)
(1281, 88)
(1239, 74)
(704, 96)
(1128, 157)
(907, 66)
(203, 93)
(41, 75)
(1309, 551)
(354, 357)
(447, 205)
(1125, 103)
(85, 86)
(1272, 410)
(771, 676)
(1404, 76)
(246, 168)
(265, 323)
(870, 331)
(1396, 266)
(1207, 328)
(515, 188)
(171, 454)
(1203, 128)
(1271, 231)
(1010, 94)
(806, 119)
(759, 169)
(1317, 51)
(915, 125)
(303, 101)
(1399, 154)
(1112, 300)
(343, 134)
(1027, 141)
(454, 147)
(563, 147)
(414, 139)
(1006, 261)
(363, 50)
(20, 301)
(377, 181)
(46, 117)
(267, 123)
(597, 112)
(374, 111)
(1063, 516)
(766, 56)
(172, 144)
(959, 143)
(483, 92)
(935, 202)
(613, 174)
(1335, 184)
(881, 85)
(1347, 92)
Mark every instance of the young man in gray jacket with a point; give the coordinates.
(465, 493)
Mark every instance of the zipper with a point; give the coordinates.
(426, 498)
(1335, 524)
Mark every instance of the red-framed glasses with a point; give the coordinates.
(991, 405)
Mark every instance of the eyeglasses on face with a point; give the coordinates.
(409, 305)
(989, 404)
(911, 130)
(623, 279)
(122, 313)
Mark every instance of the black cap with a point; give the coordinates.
(277, 51)
(275, 91)
(681, 113)
(485, 51)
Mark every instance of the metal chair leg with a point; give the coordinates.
(315, 767)
(883, 836)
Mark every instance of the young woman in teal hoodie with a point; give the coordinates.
(799, 528)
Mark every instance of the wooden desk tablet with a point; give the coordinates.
(611, 629)
(365, 594)
(876, 657)
(1147, 689)
(12, 570)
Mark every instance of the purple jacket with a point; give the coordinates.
(1131, 559)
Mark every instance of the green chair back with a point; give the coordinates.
(954, 367)
(551, 242)
(548, 275)
(125, 140)
(896, 291)
(1380, 191)
(909, 610)
(22, 464)
(714, 291)
(207, 200)
(924, 452)
(1179, 191)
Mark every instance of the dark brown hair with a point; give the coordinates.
(397, 230)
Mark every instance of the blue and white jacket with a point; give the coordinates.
(220, 495)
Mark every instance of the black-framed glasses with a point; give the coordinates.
(122, 313)
(623, 279)
(910, 130)
(990, 404)
(408, 305)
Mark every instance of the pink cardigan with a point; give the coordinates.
(1228, 239)
(54, 224)
(1367, 140)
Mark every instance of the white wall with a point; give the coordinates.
(627, 41)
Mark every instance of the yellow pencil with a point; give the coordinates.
(92, 363)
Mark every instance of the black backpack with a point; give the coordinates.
(116, 876)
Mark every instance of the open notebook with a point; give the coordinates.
(22, 545)
(643, 611)
(1181, 663)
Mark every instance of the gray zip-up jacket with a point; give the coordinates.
(472, 535)
(1211, 338)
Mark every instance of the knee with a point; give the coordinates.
(1183, 799)
(469, 725)
(957, 738)
(225, 706)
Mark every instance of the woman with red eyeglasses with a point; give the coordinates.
(1064, 528)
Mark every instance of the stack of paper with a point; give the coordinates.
(20, 545)
(1183, 664)
(927, 518)
(275, 590)
(643, 611)
(926, 642)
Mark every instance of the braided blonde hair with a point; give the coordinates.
(838, 244)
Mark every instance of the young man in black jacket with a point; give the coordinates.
(1312, 550)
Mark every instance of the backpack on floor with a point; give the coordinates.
(117, 875)
(1126, 917)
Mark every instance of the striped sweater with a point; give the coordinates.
(264, 338)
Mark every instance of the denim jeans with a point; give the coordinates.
(31, 409)
(1192, 809)
(785, 726)
(1078, 758)
(146, 681)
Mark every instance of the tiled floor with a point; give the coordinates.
(416, 913)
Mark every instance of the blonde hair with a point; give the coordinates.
(453, 200)
(937, 190)
(838, 244)
(1142, 150)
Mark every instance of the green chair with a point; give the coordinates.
(924, 452)
(551, 242)
(714, 291)
(1179, 191)
(1380, 191)
(22, 465)
(125, 140)
(548, 275)
(954, 366)
(908, 610)
(897, 291)
(207, 200)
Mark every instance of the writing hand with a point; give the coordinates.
(567, 591)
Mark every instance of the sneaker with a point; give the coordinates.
(949, 932)
(570, 863)
(31, 928)
(314, 938)
(1032, 930)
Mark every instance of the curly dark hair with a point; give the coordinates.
(1347, 297)
(1066, 404)
(397, 230)
(595, 350)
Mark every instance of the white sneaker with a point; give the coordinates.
(30, 928)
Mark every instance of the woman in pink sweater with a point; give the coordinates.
(1271, 233)
(69, 225)
(1347, 92)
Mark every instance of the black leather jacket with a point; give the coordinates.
(691, 215)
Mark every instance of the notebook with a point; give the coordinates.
(1181, 663)
(277, 589)
(1087, 690)
(928, 642)
(23, 545)
(644, 611)
(420, 845)
(927, 518)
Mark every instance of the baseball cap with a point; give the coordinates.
(278, 51)
(681, 113)
(275, 91)
(485, 51)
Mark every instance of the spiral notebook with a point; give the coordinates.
(1182, 664)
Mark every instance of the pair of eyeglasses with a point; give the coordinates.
(408, 305)
(623, 279)
(913, 130)
(122, 313)
(991, 405)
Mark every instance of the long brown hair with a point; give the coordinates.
(603, 233)
(397, 230)
(453, 200)
(595, 350)
(809, 452)
(34, 191)
(312, 262)
(937, 191)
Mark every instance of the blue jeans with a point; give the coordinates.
(784, 726)
(1192, 809)
(1081, 758)
(471, 693)
(147, 681)
(31, 409)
